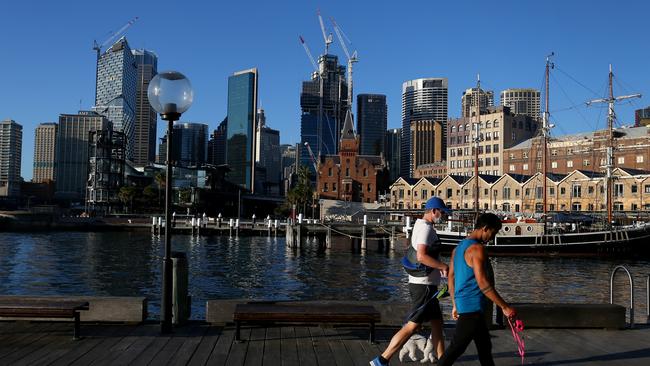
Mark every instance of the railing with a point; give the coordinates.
(611, 291)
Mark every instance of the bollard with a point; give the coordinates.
(237, 227)
(231, 224)
(198, 227)
(276, 227)
(181, 301)
(392, 238)
(328, 238)
(363, 238)
(269, 228)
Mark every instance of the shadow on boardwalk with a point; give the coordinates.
(35, 343)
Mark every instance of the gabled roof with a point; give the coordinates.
(432, 180)
(460, 179)
(489, 178)
(590, 174)
(631, 171)
(521, 178)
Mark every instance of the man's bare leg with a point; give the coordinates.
(399, 339)
(437, 337)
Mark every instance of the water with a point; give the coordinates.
(129, 264)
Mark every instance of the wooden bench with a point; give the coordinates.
(335, 313)
(41, 309)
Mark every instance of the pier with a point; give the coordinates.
(23, 343)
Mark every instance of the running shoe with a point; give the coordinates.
(377, 362)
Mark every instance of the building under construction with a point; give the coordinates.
(106, 153)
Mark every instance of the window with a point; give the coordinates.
(425, 193)
(401, 191)
(495, 148)
(553, 152)
(639, 158)
(453, 129)
(634, 188)
(496, 123)
(527, 192)
(365, 172)
(329, 172)
(506, 193)
(347, 172)
(621, 160)
(585, 162)
(525, 154)
(516, 193)
(646, 188)
(449, 192)
(551, 191)
(590, 190)
(569, 163)
(540, 192)
(495, 135)
(460, 128)
(488, 149)
(514, 136)
(485, 192)
(488, 124)
(369, 187)
(512, 167)
(466, 192)
(325, 187)
(562, 191)
(618, 189)
(576, 206)
(415, 193)
(554, 164)
(525, 166)
(577, 190)
(569, 151)
(618, 206)
(453, 164)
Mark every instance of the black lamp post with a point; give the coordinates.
(170, 94)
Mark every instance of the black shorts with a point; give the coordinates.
(424, 308)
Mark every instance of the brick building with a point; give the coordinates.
(349, 176)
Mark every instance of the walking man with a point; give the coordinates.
(424, 252)
(469, 286)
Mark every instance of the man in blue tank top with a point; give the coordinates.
(423, 249)
(469, 286)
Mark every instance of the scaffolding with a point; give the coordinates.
(106, 152)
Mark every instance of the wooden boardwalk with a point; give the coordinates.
(34, 343)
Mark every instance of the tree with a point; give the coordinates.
(126, 196)
(149, 194)
(161, 179)
(302, 192)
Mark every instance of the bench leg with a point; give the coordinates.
(76, 334)
(237, 331)
(372, 333)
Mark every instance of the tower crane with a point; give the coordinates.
(351, 58)
(326, 37)
(311, 58)
(312, 157)
(98, 47)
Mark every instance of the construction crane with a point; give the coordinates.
(98, 47)
(351, 58)
(312, 157)
(326, 37)
(311, 58)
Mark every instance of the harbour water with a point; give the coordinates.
(129, 264)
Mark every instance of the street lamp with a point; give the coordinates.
(170, 94)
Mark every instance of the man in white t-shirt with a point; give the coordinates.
(423, 282)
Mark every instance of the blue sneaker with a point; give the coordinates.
(377, 362)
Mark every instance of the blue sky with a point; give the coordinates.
(49, 66)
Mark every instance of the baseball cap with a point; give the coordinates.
(435, 202)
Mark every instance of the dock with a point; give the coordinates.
(42, 343)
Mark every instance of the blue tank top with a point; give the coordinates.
(467, 294)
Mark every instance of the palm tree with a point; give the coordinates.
(160, 179)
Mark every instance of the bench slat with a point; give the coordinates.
(299, 313)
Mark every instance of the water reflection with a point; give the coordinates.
(129, 264)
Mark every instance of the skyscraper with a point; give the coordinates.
(268, 154)
(144, 144)
(322, 131)
(392, 152)
(422, 99)
(372, 120)
(11, 143)
(72, 152)
(44, 152)
(468, 101)
(116, 90)
(522, 101)
(217, 144)
(240, 144)
(190, 143)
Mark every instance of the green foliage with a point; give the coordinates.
(126, 195)
(302, 192)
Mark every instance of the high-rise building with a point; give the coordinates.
(642, 117)
(290, 159)
(240, 144)
(106, 150)
(468, 101)
(268, 154)
(144, 144)
(422, 99)
(162, 150)
(217, 144)
(11, 144)
(522, 101)
(190, 144)
(372, 120)
(426, 142)
(392, 152)
(322, 131)
(115, 98)
(72, 152)
(44, 152)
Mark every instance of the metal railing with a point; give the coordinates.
(611, 290)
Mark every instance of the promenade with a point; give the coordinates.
(34, 343)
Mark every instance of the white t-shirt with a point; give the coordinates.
(424, 234)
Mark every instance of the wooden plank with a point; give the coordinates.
(189, 346)
(94, 336)
(32, 333)
(152, 349)
(321, 347)
(237, 354)
(58, 342)
(130, 347)
(353, 340)
(221, 349)
(49, 338)
(289, 347)
(103, 349)
(170, 349)
(205, 347)
(273, 346)
(306, 352)
(256, 347)
(306, 313)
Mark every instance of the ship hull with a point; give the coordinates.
(627, 241)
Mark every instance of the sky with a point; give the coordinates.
(48, 64)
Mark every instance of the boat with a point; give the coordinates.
(554, 234)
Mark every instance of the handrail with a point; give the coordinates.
(611, 291)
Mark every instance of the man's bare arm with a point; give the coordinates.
(478, 257)
(428, 260)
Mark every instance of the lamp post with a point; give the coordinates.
(170, 94)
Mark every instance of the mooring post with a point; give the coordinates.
(392, 238)
(276, 227)
(328, 238)
(299, 232)
(363, 232)
(269, 228)
(231, 224)
(237, 227)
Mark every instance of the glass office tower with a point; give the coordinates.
(372, 120)
(242, 117)
(144, 145)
